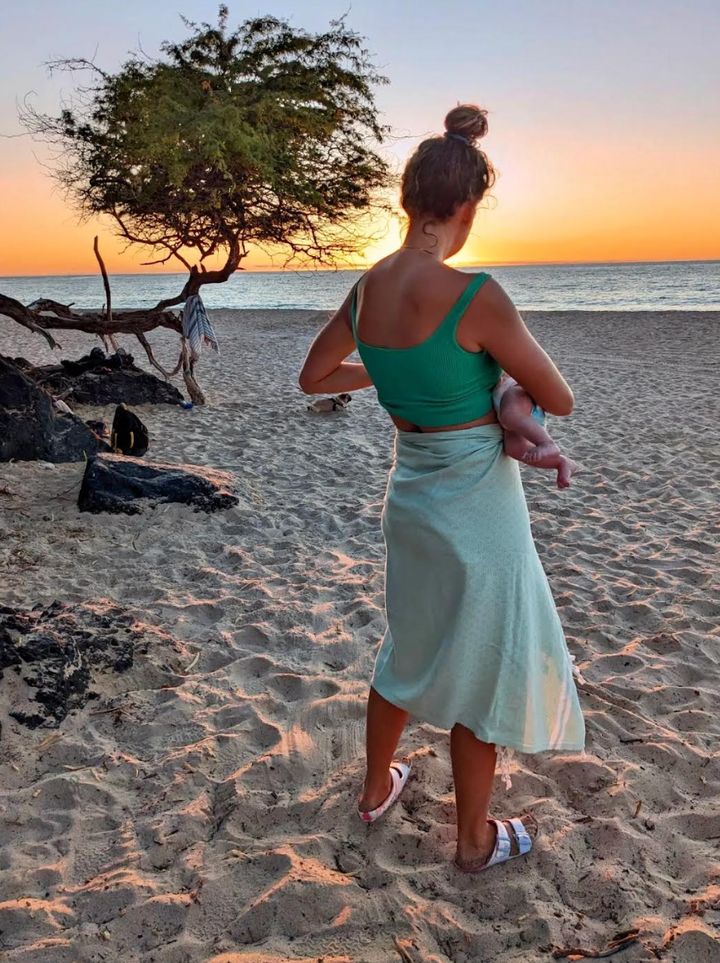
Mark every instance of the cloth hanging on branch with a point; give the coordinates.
(197, 328)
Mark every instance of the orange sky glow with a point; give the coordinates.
(598, 158)
(566, 206)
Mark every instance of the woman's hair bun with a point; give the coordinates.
(467, 120)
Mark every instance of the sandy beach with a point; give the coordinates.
(202, 807)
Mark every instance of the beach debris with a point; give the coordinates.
(101, 379)
(619, 942)
(576, 670)
(335, 403)
(192, 664)
(118, 484)
(57, 650)
(223, 802)
(129, 435)
(62, 407)
(49, 741)
(30, 427)
(401, 947)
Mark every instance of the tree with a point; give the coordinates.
(266, 135)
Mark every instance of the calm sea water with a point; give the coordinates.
(681, 285)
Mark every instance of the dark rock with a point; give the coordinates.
(114, 483)
(98, 359)
(31, 429)
(22, 363)
(58, 650)
(97, 379)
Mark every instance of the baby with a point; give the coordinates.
(525, 436)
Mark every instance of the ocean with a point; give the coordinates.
(651, 286)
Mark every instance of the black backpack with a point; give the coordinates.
(129, 435)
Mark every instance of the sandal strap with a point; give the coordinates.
(503, 846)
(399, 772)
(524, 840)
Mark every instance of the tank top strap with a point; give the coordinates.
(353, 308)
(452, 318)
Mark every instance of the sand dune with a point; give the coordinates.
(202, 808)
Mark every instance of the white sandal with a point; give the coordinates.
(399, 772)
(503, 846)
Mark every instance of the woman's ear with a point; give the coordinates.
(467, 212)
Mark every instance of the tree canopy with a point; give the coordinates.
(262, 135)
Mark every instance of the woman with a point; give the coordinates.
(473, 641)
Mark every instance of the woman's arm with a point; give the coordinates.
(502, 332)
(325, 368)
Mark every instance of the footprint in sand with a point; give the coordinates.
(294, 687)
(663, 644)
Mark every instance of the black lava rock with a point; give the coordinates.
(114, 483)
(58, 649)
(31, 429)
(97, 379)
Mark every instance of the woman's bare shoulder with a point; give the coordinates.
(492, 292)
(491, 312)
(493, 302)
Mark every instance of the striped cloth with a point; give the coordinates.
(197, 327)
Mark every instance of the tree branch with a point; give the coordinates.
(106, 282)
(18, 312)
(108, 304)
(151, 358)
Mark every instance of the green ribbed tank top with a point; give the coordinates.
(436, 382)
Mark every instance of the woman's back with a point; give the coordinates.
(402, 298)
(406, 317)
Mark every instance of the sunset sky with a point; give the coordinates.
(604, 121)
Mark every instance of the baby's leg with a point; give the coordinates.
(515, 415)
(526, 440)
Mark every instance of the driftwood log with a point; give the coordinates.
(45, 316)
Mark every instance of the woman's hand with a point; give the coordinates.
(325, 369)
(502, 332)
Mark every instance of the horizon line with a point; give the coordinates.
(363, 267)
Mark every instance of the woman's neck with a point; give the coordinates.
(433, 238)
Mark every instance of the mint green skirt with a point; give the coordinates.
(473, 636)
